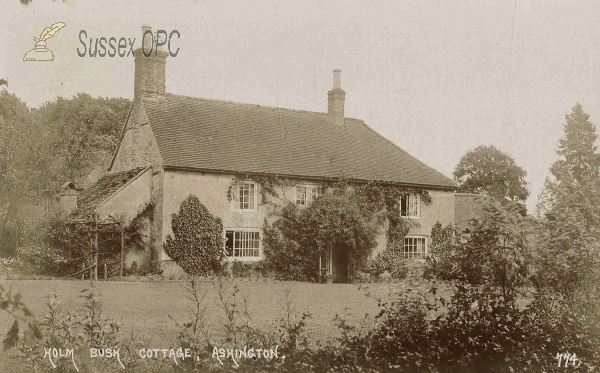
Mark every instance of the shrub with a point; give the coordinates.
(294, 242)
(242, 269)
(42, 260)
(389, 260)
(441, 262)
(198, 243)
(289, 260)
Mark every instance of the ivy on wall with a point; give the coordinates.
(197, 241)
(377, 200)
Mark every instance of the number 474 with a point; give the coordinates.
(565, 358)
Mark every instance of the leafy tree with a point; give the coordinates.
(569, 246)
(198, 243)
(23, 163)
(494, 254)
(42, 148)
(84, 132)
(577, 149)
(487, 169)
(294, 242)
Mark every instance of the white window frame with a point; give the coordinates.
(412, 253)
(311, 192)
(413, 208)
(236, 203)
(243, 231)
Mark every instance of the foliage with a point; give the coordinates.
(440, 261)
(197, 245)
(487, 169)
(42, 148)
(569, 238)
(85, 131)
(249, 269)
(51, 246)
(389, 260)
(577, 149)
(42, 260)
(289, 260)
(57, 245)
(495, 253)
(294, 242)
(23, 166)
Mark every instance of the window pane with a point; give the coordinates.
(243, 243)
(245, 194)
(415, 247)
(301, 196)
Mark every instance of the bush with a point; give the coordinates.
(289, 260)
(198, 243)
(42, 260)
(294, 242)
(240, 269)
(250, 269)
(441, 261)
(389, 260)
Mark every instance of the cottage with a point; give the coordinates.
(172, 146)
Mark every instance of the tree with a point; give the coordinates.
(342, 219)
(577, 148)
(487, 169)
(42, 148)
(84, 133)
(23, 164)
(570, 245)
(198, 243)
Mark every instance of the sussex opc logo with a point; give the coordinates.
(40, 52)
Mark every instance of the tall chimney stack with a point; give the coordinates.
(150, 65)
(336, 98)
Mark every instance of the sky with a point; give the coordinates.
(436, 77)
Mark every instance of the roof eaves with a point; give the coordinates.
(109, 197)
(123, 131)
(316, 178)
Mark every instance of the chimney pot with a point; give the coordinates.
(147, 39)
(337, 79)
(337, 98)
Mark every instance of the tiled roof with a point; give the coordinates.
(225, 136)
(95, 194)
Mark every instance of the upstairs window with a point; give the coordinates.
(410, 206)
(242, 243)
(244, 196)
(305, 195)
(415, 247)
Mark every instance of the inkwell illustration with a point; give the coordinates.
(40, 53)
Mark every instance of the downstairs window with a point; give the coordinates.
(242, 243)
(415, 247)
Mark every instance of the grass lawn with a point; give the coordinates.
(146, 308)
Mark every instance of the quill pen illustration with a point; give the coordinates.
(40, 52)
(50, 31)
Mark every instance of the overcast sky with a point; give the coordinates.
(437, 78)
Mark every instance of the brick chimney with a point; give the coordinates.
(149, 68)
(337, 98)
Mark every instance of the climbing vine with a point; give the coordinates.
(197, 241)
(378, 201)
(268, 186)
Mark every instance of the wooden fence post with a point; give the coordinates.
(83, 271)
(105, 273)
